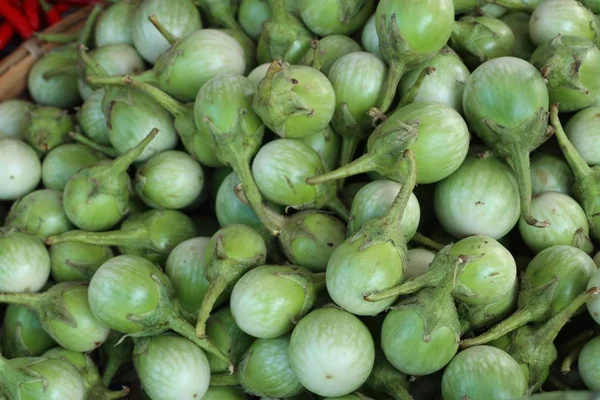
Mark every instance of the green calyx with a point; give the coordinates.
(151, 234)
(534, 347)
(276, 100)
(114, 352)
(424, 323)
(166, 316)
(57, 309)
(385, 229)
(482, 38)
(94, 388)
(324, 52)
(238, 142)
(97, 197)
(476, 317)
(193, 140)
(308, 238)
(566, 63)
(515, 145)
(48, 128)
(237, 145)
(284, 37)
(587, 180)
(21, 375)
(49, 304)
(399, 55)
(388, 380)
(442, 265)
(231, 252)
(559, 63)
(22, 333)
(436, 308)
(386, 147)
(227, 337)
(534, 304)
(311, 283)
(221, 12)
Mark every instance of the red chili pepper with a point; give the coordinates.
(62, 7)
(32, 12)
(18, 21)
(82, 2)
(6, 34)
(50, 11)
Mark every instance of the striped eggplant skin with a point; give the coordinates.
(480, 198)
(179, 17)
(358, 79)
(189, 371)
(332, 352)
(374, 201)
(184, 69)
(483, 372)
(265, 369)
(24, 262)
(568, 223)
(334, 16)
(565, 17)
(280, 169)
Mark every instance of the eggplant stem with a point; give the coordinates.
(121, 163)
(88, 28)
(513, 5)
(401, 201)
(567, 363)
(408, 287)
(29, 300)
(425, 241)
(519, 158)
(272, 220)
(414, 89)
(106, 150)
(363, 164)
(279, 11)
(96, 69)
(57, 37)
(169, 37)
(335, 204)
(349, 146)
(112, 394)
(514, 321)
(185, 329)
(176, 108)
(110, 371)
(137, 238)
(395, 72)
(317, 61)
(550, 329)
(216, 287)
(224, 380)
(580, 168)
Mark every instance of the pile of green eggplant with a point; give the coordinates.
(308, 200)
